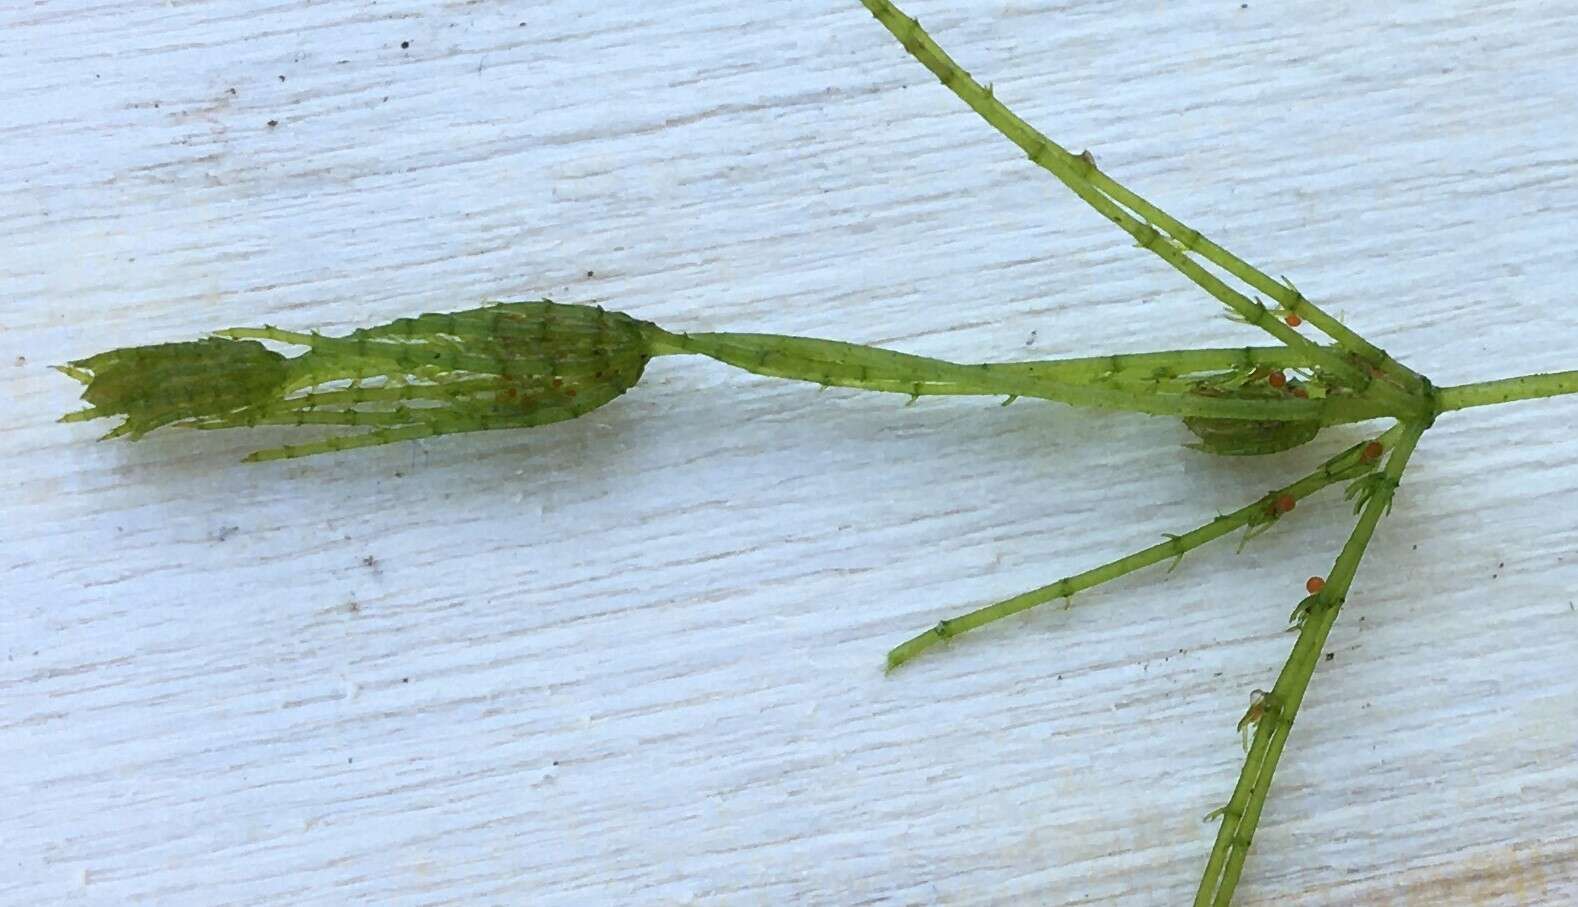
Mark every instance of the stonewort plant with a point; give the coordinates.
(521, 364)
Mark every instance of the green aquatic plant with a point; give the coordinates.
(521, 364)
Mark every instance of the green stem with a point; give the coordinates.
(1347, 465)
(401, 424)
(1506, 390)
(1074, 171)
(1284, 294)
(1241, 816)
(1138, 367)
(354, 418)
(832, 363)
(1149, 366)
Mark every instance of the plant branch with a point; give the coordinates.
(1349, 464)
(1506, 390)
(832, 363)
(1074, 171)
(1241, 816)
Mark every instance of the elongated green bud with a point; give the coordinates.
(178, 382)
(538, 351)
(1246, 437)
(1250, 437)
(508, 365)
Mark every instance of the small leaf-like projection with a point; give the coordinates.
(169, 383)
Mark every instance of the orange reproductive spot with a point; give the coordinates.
(1284, 503)
(1293, 321)
(1314, 584)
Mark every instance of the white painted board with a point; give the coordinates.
(636, 658)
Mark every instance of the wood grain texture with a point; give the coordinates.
(636, 658)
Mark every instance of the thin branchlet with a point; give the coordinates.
(1241, 815)
(1265, 510)
(1075, 172)
(1075, 382)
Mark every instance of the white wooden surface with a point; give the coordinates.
(635, 659)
